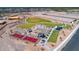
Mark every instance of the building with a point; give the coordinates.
(14, 18)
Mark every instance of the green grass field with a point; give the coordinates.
(26, 26)
(32, 21)
(36, 20)
(54, 36)
(65, 26)
(68, 26)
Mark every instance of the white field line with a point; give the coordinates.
(66, 40)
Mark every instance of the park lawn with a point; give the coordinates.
(26, 26)
(54, 36)
(61, 25)
(48, 24)
(32, 21)
(68, 26)
(36, 20)
(30, 25)
(65, 26)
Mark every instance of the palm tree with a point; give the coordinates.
(61, 38)
(52, 45)
(64, 33)
(35, 44)
(42, 49)
(26, 42)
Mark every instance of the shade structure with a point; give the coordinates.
(18, 35)
(31, 39)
